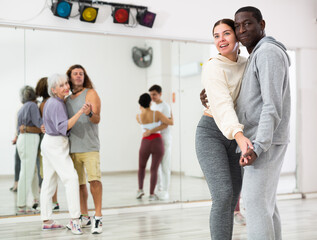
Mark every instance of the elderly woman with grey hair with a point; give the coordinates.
(55, 152)
(27, 146)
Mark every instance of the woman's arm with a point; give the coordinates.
(222, 107)
(71, 122)
(154, 130)
(164, 119)
(220, 101)
(138, 118)
(243, 142)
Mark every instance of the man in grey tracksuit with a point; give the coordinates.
(263, 107)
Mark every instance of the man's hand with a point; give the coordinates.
(42, 128)
(14, 140)
(22, 128)
(248, 158)
(29, 129)
(203, 98)
(147, 133)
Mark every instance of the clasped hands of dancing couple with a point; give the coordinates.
(248, 156)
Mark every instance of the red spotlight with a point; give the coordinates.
(121, 15)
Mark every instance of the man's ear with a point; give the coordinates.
(262, 23)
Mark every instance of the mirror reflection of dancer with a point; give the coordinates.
(55, 152)
(41, 90)
(152, 144)
(164, 171)
(17, 164)
(84, 143)
(27, 146)
(219, 126)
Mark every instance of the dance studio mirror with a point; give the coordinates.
(29, 55)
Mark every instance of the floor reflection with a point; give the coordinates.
(119, 190)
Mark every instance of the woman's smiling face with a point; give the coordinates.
(226, 41)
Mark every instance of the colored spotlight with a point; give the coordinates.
(121, 15)
(146, 18)
(88, 14)
(62, 9)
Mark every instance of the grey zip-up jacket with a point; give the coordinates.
(264, 103)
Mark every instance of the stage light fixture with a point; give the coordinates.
(88, 14)
(62, 9)
(121, 15)
(145, 18)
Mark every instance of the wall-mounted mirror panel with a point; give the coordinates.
(118, 81)
(30, 55)
(13, 77)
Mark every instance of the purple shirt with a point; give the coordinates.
(29, 115)
(55, 117)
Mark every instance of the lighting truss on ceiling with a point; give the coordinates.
(120, 12)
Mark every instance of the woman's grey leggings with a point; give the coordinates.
(220, 163)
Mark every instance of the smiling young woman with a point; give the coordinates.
(219, 127)
(226, 41)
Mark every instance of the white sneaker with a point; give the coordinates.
(163, 195)
(85, 221)
(52, 225)
(96, 226)
(239, 219)
(74, 226)
(26, 210)
(153, 197)
(139, 194)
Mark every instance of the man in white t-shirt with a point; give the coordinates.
(164, 171)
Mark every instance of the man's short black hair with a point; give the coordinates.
(255, 12)
(145, 100)
(155, 88)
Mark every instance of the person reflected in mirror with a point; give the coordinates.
(27, 146)
(41, 90)
(164, 171)
(17, 161)
(239, 218)
(84, 143)
(219, 129)
(57, 163)
(151, 144)
(17, 165)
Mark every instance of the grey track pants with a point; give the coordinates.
(260, 182)
(220, 164)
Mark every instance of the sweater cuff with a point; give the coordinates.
(236, 131)
(257, 149)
